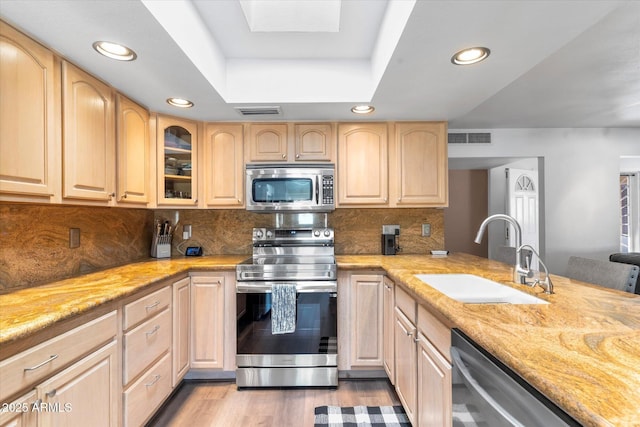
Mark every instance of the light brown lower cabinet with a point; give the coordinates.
(207, 318)
(388, 322)
(146, 394)
(146, 355)
(20, 413)
(422, 364)
(181, 329)
(83, 389)
(434, 386)
(405, 355)
(366, 320)
(85, 394)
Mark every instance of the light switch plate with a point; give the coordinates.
(74, 238)
(426, 230)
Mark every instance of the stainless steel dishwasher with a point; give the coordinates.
(487, 393)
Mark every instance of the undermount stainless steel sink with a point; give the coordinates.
(471, 289)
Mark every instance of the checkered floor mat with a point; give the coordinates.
(374, 416)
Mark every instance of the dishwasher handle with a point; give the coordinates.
(472, 383)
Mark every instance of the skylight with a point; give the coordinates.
(292, 16)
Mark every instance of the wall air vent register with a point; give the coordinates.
(469, 138)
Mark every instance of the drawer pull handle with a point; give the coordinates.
(41, 364)
(156, 378)
(153, 331)
(154, 305)
(51, 393)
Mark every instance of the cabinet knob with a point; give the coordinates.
(284, 156)
(124, 196)
(297, 156)
(112, 195)
(409, 333)
(195, 201)
(416, 339)
(51, 393)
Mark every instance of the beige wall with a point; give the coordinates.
(468, 207)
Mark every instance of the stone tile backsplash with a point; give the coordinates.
(34, 244)
(357, 231)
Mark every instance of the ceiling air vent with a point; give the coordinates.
(258, 111)
(469, 138)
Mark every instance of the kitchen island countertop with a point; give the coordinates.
(582, 350)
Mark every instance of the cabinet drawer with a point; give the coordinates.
(144, 344)
(25, 369)
(436, 332)
(406, 304)
(146, 307)
(20, 412)
(144, 396)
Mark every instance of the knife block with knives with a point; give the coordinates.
(161, 243)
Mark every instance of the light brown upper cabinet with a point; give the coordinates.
(290, 142)
(314, 142)
(267, 142)
(29, 119)
(177, 148)
(418, 165)
(362, 164)
(88, 143)
(224, 165)
(132, 122)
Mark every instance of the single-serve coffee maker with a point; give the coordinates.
(390, 235)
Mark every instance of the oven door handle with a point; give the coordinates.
(317, 191)
(301, 288)
(475, 386)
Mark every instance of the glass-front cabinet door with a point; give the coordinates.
(177, 146)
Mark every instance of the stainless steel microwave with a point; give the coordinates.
(290, 187)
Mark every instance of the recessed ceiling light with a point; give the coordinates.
(115, 51)
(470, 56)
(362, 109)
(179, 102)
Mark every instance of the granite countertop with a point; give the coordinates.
(582, 350)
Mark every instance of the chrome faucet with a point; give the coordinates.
(520, 273)
(545, 284)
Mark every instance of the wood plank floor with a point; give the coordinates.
(204, 404)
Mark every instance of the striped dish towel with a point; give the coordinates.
(283, 308)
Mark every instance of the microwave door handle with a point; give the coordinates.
(317, 190)
(475, 386)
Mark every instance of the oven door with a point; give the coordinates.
(306, 357)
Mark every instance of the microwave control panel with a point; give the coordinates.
(327, 189)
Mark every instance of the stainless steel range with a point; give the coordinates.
(302, 262)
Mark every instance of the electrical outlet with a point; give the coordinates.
(186, 232)
(426, 230)
(74, 238)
